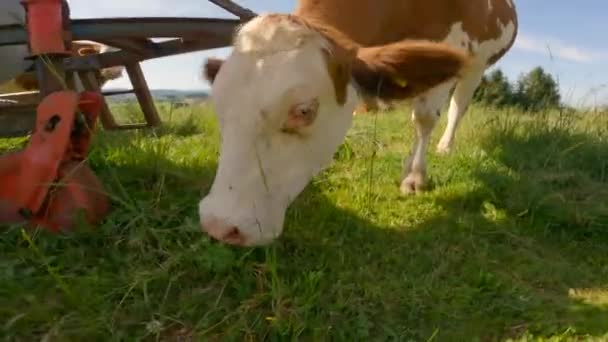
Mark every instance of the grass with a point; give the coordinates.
(510, 243)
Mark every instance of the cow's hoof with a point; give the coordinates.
(412, 184)
(444, 148)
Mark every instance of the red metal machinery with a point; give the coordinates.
(49, 182)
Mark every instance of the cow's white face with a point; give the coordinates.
(280, 124)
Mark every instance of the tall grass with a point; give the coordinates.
(509, 243)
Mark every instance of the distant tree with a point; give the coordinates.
(537, 90)
(495, 90)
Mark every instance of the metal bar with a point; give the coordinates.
(50, 74)
(11, 108)
(244, 13)
(17, 120)
(118, 92)
(21, 97)
(92, 29)
(90, 82)
(164, 49)
(147, 27)
(142, 92)
(14, 34)
(134, 45)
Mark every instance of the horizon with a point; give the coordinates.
(573, 54)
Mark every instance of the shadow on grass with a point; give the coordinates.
(498, 262)
(524, 253)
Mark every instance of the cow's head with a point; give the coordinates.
(284, 99)
(86, 48)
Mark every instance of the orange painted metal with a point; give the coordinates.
(49, 182)
(45, 26)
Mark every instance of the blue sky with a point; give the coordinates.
(567, 38)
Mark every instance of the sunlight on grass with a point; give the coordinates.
(593, 296)
(509, 243)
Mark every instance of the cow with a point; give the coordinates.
(16, 71)
(285, 95)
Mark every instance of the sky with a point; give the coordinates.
(566, 38)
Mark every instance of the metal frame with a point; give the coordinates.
(133, 36)
(49, 182)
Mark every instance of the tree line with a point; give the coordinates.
(534, 91)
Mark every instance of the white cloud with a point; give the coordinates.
(556, 48)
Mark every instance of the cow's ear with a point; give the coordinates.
(406, 69)
(87, 50)
(339, 70)
(211, 68)
(111, 73)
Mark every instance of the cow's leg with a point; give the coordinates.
(458, 106)
(426, 112)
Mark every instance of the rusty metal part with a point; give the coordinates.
(49, 183)
(162, 49)
(143, 95)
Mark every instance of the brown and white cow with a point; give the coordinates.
(286, 94)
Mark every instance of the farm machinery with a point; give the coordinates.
(48, 184)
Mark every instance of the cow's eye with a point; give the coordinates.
(306, 110)
(301, 115)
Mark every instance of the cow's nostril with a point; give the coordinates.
(233, 236)
(221, 231)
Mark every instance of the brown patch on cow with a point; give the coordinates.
(211, 68)
(494, 58)
(339, 56)
(390, 21)
(86, 50)
(422, 65)
(393, 71)
(80, 48)
(339, 72)
(111, 73)
(339, 59)
(390, 71)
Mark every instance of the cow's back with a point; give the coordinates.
(464, 23)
